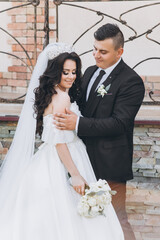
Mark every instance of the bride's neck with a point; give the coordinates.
(61, 88)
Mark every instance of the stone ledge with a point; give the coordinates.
(147, 115)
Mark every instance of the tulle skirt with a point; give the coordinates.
(46, 204)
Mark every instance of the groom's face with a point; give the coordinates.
(105, 53)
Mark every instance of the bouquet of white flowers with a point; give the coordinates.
(97, 196)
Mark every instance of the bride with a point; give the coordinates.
(38, 199)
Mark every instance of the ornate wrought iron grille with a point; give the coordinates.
(102, 15)
(121, 20)
(46, 29)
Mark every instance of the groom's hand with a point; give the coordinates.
(65, 121)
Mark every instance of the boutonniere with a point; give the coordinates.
(102, 90)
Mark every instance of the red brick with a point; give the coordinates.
(16, 62)
(157, 85)
(40, 47)
(13, 19)
(51, 19)
(30, 40)
(23, 54)
(19, 33)
(40, 19)
(0, 74)
(18, 48)
(39, 11)
(30, 33)
(21, 18)
(40, 34)
(30, 18)
(17, 83)
(22, 40)
(3, 82)
(10, 41)
(33, 62)
(43, 11)
(17, 69)
(21, 76)
(17, 26)
(30, 48)
(156, 93)
(153, 79)
(51, 34)
(17, 11)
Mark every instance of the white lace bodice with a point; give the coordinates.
(52, 135)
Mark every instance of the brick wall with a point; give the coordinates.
(152, 83)
(16, 79)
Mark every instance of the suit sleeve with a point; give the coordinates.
(127, 104)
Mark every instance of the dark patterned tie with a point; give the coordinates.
(95, 84)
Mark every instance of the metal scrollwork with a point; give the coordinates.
(35, 3)
(57, 2)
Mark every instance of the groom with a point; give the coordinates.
(108, 113)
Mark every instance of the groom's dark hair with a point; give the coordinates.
(110, 31)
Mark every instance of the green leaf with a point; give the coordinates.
(108, 87)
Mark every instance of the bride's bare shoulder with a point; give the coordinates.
(60, 101)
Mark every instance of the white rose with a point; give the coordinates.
(94, 211)
(92, 201)
(84, 199)
(107, 199)
(93, 188)
(101, 87)
(101, 182)
(106, 188)
(83, 209)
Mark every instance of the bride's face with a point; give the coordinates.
(68, 74)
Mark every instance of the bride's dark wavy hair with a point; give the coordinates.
(50, 78)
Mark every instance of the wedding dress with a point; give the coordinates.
(46, 203)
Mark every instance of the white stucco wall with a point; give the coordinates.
(74, 21)
(5, 61)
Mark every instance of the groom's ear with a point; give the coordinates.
(119, 52)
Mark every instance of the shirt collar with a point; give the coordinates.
(110, 69)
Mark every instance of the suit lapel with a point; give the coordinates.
(87, 77)
(92, 105)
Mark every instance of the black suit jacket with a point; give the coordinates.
(107, 125)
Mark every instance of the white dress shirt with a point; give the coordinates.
(105, 76)
(95, 75)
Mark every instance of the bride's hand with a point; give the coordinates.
(78, 183)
